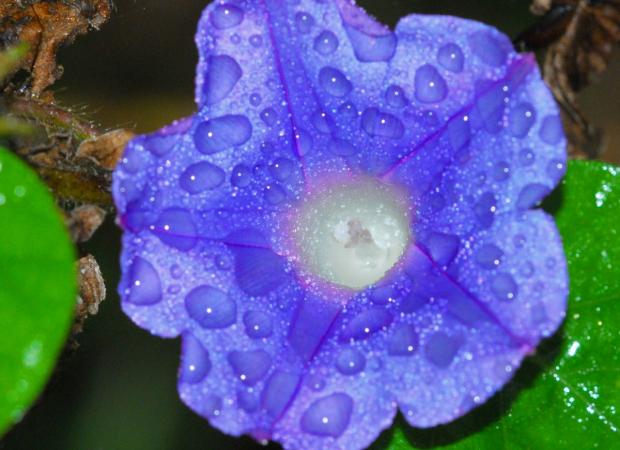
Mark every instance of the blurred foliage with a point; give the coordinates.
(37, 276)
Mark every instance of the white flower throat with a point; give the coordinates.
(353, 234)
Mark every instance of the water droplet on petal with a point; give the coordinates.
(551, 130)
(383, 295)
(250, 366)
(486, 47)
(341, 147)
(504, 286)
(278, 392)
(256, 40)
(501, 171)
(175, 227)
(443, 247)
(402, 341)
(226, 16)
(274, 194)
(485, 209)
(350, 361)
(144, 284)
(526, 157)
(371, 48)
(521, 118)
(201, 177)
(412, 303)
(440, 349)
(257, 324)
(430, 87)
(556, 169)
(195, 362)
(531, 195)
(326, 43)
(282, 168)
(255, 99)
(365, 323)
(489, 256)
(451, 58)
(395, 96)
(377, 123)
(334, 82)
(304, 22)
(211, 307)
(223, 73)
(241, 176)
(222, 133)
(269, 116)
(328, 416)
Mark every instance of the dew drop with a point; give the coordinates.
(365, 323)
(380, 124)
(256, 40)
(144, 283)
(195, 362)
(201, 177)
(223, 73)
(551, 130)
(440, 349)
(250, 366)
(269, 116)
(451, 58)
(226, 16)
(350, 361)
(504, 287)
(486, 47)
(175, 227)
(371, 48)
(282, 168)
(395, 96)
(402, 341)
(257, 324)
(222, 133)
(521, 119)
(334, 82)
(304, 22)
(328, 416)
(326, 43)
(526, 157)
(210, 307)
(430, 87)
(255, 99)
(274, 194)
(241, 176)
(485, 209)
(531, 195)
(501, 171)
(489, 256)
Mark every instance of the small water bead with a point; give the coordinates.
(201, 177)
(350, 361)
(489, 256)
(256, 40)
(402, 341)
(526, 157)
(144, 284)
(174, 289)
(395, 96)
(175, 227)
(255, 99)
(275, 194)
(334, 82)
(326, 43)
(451, 58)
(440, 349)
(347, 111)
(521, 119)
(501, 171)
(366, 323)
(269, 116)
(527, 270)
(485, 209)
(519, 241)
(250, 366)
(241, 176)
(430, 87)
(381, 124)
(226, 16)
(211, 307)
(304, 22)
(531, 195)
(328, 416)
(222, 133)
(282, 168)
(195, 362)
(303, 142)
(556, 169)
(222, 262)
(257, 324)
(176, 271)
(487, 47)
(551, 130)
(371, 47)
(235, 39)
(504, 287)
(315, 382)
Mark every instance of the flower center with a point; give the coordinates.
(352, 234)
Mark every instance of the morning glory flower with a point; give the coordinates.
(344, 229)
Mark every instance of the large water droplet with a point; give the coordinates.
(322, 122)
(211, 307)
(160, 145)
(440, 349)
(383, 295)
(226, 16)
(556, 169)
(269, 116)
(430, 87)
(328, 416)
(250, 366)
(377, 123)
(304, 22)
(485, 209)
(501, 171)
(489, 256)
(504, 287)
(334, 82)
(144, 284)
(222, 75)
(364, 324)
(350, 361)
(443, 247)
(201, 177)
(275, 194)
(326, 43)
(486, 47)
(175, 227)
(402, 341)
(521, 118)
(451, 58)
(222, 133)
(340, 147)
(459, 132)
(371, 48)
(282, 168)
(195, 362)
(395, 96)
(412, 303)
(531, 194)
(257, 324)
(551, 130)
(241, 176)
(279, 390)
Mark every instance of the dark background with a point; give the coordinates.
(118, 391)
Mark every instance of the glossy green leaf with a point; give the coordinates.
(37, 287)
(566, 396)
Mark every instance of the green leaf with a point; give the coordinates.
(567, 396)
(37, 287)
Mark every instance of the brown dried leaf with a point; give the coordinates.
(92, 291)
(83, 221)
(105, 150)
